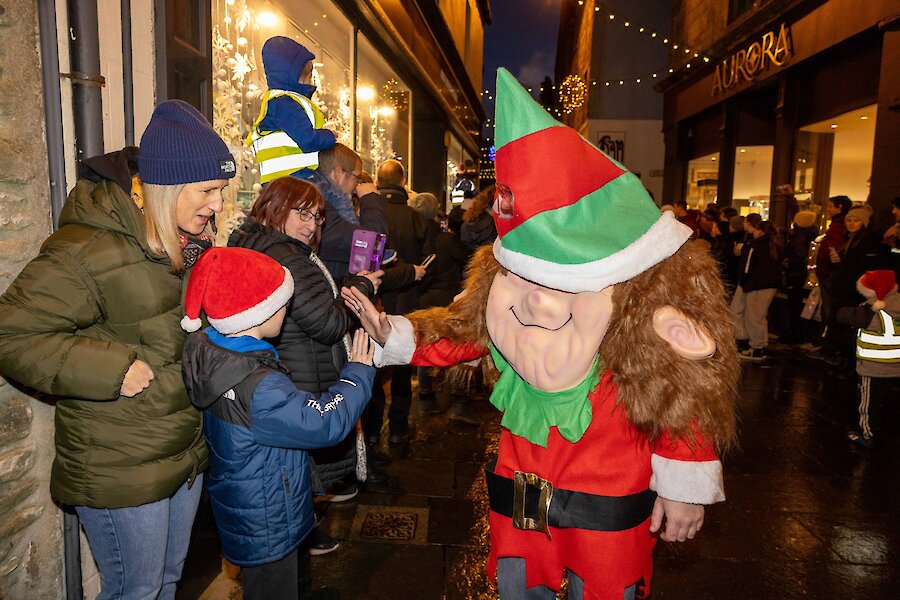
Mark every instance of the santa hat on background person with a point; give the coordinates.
(875, 285)
(568, 216)
(237, 288)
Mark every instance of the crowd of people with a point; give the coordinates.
(829, 283)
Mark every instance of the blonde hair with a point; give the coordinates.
(160, 222)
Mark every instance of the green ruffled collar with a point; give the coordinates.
(530, 413)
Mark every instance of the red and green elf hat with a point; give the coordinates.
(568, 216)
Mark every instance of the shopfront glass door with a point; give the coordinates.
(702, 181)
(752, 179)
(834, 158)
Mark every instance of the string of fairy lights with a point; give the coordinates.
(693, 55)
(573, 90)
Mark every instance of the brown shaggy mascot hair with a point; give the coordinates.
(659, 389)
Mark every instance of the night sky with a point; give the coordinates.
(522, 38)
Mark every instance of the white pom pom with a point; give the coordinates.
(189, 324)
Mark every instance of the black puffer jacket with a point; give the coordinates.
(311, 342)
(758, 269)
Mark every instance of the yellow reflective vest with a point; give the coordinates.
(277, 155)
(883, 346)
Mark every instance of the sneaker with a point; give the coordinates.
(753, 354)
(321, 543)
(377, 458)
(460, 414)
(376, 475)
(342, 491)
(429, 406)
(400, 438)
(743, 345)
(858, 439)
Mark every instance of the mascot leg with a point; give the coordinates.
(511, 582)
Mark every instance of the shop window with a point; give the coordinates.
(239, 30)
(752, 179)
(702, 181)
(382, 110)
(834, 158)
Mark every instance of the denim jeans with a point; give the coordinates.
(140, 550)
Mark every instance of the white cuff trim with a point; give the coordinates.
(686, 481)
(400, 345)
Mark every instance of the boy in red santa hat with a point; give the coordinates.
(257, 423)
(877, 349)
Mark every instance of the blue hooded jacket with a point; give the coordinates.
(283, 61)
(258, 426)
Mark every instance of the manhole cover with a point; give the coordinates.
(396, 524)
(390, 526)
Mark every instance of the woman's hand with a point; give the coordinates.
(137, 379)
(375, 323)
(362, 350)
(374, 277)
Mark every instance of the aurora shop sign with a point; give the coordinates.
(758, 57)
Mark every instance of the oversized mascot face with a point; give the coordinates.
(549, 337)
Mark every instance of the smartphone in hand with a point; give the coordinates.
(366, 251)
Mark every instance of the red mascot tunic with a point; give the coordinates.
(611, 459)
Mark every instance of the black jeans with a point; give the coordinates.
(401, 399)
(285, 579)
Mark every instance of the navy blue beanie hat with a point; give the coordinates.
(179, 146)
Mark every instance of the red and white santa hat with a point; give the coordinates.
(237, 288)
(875, 285)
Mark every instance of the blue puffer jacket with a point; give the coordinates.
(258, 426)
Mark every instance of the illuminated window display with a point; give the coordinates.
(702, 181)
(382, 110)
(382, 102)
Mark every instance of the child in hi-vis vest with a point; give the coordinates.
(289, 131)
(877, 349)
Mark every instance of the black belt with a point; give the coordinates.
(532, 503)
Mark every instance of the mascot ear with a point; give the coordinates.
(685, 336)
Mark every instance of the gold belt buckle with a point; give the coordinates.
(520, 521)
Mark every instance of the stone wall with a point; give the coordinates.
(30, 524)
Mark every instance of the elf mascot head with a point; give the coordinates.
(586, 266)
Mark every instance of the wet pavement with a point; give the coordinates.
(807, 516)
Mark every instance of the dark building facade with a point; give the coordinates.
(804, 92)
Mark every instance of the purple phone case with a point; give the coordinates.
(366, 250)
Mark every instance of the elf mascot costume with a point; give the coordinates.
(608, 340)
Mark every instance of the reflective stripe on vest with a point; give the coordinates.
(277, 155)
(879, 347)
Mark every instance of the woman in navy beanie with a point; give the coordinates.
(94, 319)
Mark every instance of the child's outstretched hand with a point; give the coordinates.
(362, 350)
(682, 521)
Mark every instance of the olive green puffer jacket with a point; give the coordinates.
(71, 324)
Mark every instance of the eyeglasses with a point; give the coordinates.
(308, 215)
(356, 176)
